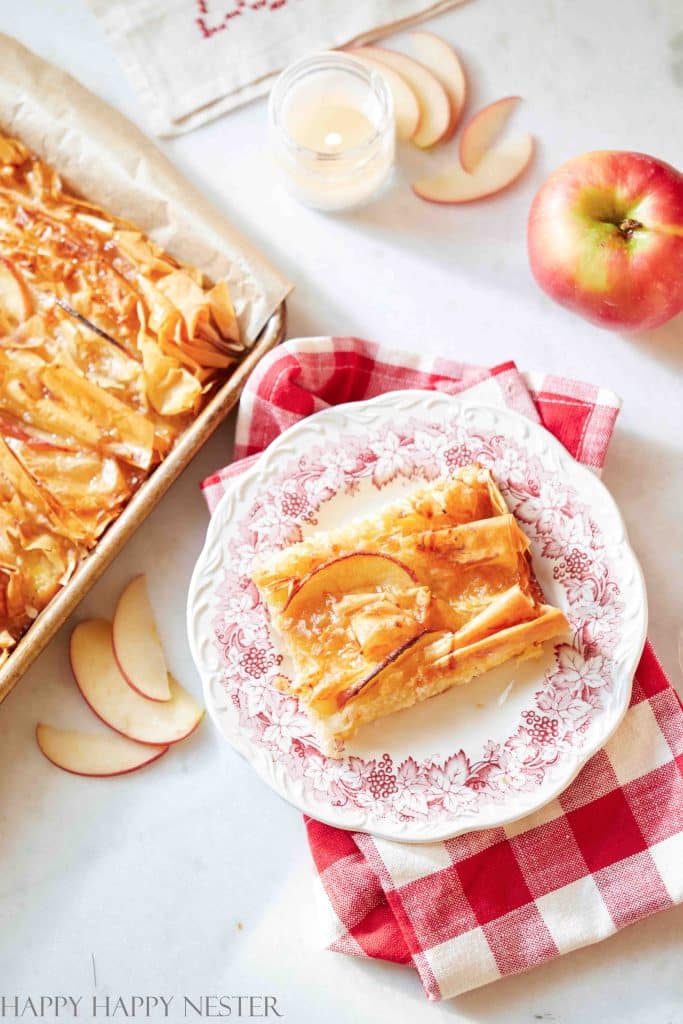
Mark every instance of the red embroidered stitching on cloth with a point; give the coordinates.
(606, 853)
(240, 7)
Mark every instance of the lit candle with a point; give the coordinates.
(332, 131)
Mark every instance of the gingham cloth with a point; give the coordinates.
(608, 852)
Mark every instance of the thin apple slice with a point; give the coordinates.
(501, 166)
(137, 647)
(358, 571)
(97, 755)
(15, 299)
(406, 107)
(482, 130)
(118, 705)
(394, 661)
(442, 60)
(435, 107)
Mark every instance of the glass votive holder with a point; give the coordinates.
(331, 123)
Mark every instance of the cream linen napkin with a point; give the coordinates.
(191, 60)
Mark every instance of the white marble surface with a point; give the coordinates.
(153, 875)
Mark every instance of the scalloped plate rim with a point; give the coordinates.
(266, 768)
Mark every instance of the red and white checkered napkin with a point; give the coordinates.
(606, 853)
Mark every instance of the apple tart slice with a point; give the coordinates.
(388, 610)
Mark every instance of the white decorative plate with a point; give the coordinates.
(479, 755)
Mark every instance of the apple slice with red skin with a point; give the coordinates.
(406, 107)
(106, 691)
(348, 573)
(435, 106)
(137, 647)
(499, 169)
(355, 571)
(96, 755)
(413, 644)
(15, 298)
(439, 56)
(483, 130)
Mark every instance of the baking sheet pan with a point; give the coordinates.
(138, 508)
(104, 157)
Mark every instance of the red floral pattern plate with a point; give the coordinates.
(477, 756)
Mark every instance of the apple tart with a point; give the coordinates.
(391, 609)
(108, 347)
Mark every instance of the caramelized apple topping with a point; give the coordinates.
(397, 607)
(108, 346)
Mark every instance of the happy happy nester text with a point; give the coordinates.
(120, 1007)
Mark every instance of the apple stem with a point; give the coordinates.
(628, 227)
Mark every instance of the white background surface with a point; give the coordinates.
(154, 874)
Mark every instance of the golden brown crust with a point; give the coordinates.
(469, 495)
(107, 348)
(397, 607)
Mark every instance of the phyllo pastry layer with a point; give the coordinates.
(399, 606)
(108, 348)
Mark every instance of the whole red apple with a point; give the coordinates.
(606, 239)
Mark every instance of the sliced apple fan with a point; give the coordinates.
(399, 606)
(107, 346)
(433, 101)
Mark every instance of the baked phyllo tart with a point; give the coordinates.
(399, 606)
(108, 348)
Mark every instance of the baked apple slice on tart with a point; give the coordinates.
(399, 606)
